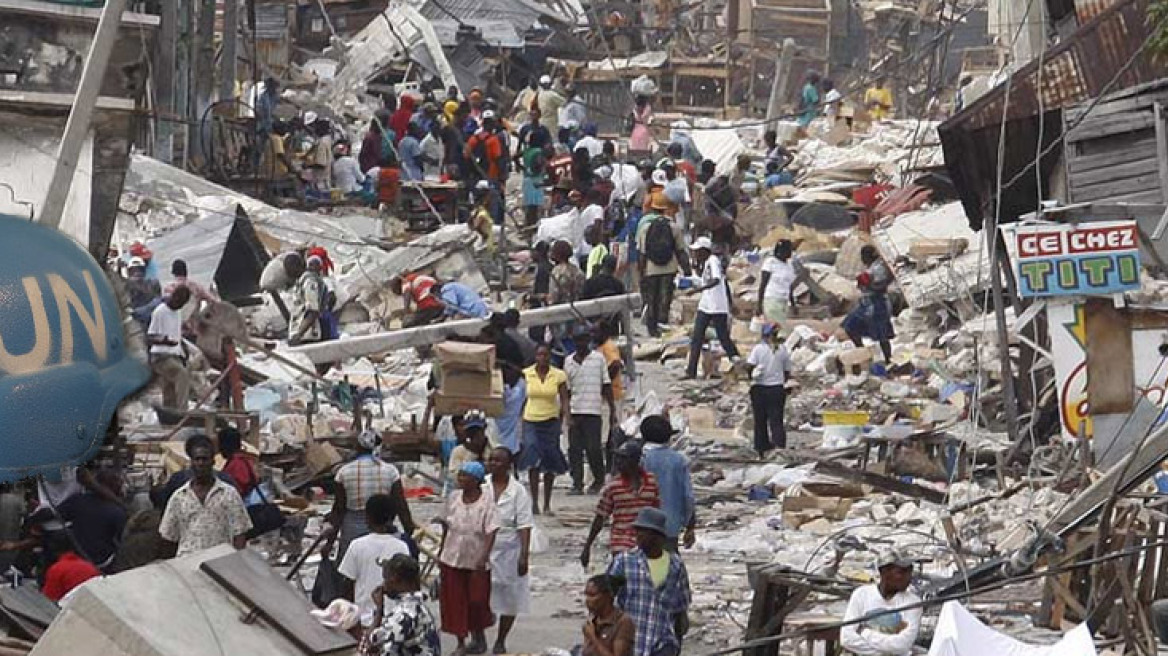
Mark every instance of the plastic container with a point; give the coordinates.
(844, 417)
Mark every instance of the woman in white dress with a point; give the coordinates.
(510, 591)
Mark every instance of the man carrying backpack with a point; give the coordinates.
(487, 152)
(662, 249)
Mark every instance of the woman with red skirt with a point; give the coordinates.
(464, 589)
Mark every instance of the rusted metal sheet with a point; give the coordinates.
(1073, 71)
(1086, 10)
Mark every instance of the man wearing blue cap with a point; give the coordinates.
(656, 593)
(769, 364)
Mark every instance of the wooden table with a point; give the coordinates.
(829, 635)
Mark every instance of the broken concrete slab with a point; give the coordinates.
(169, 608)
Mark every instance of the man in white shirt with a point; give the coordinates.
(590, 143)
(778, 276)
(883, 633)
(432, 152)
(167, 357)
(591, 387)
(769, 364)
(361, 565)
(713, 307)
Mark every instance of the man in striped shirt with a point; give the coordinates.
(622, 498)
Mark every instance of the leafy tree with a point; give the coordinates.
(1158, 21)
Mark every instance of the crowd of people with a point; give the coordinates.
(644, 495)
(660, 220)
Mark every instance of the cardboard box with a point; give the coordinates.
(491, 403)
(800, 510)
(925, 248)
(465, 383)
(465, 356)
(321, 456)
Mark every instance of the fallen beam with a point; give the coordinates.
(1081, 508)
(356, 347)
(886, 483)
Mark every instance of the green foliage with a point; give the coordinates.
(1158, 22)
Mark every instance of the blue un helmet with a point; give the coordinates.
(64, 361)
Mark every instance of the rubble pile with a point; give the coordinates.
(885, 153)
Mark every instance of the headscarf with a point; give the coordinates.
(449, 108)
(369, 439)
(401, 118)
(474, 468)
(326, 264)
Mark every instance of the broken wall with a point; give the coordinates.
(28, 150)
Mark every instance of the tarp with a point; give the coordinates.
(959, 633)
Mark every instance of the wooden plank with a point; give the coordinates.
(1148, 573)
(1110, 377)
(1107, 128)
(1064, 599)
(877, 480)
(1130, 168)
(1085, 163)
(247, 576)
(1112, 190)
(1152, 196)
(1161, 150)
(1109, 108)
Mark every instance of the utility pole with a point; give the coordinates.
(230, 49)
(204, 81)
(165, 80)
(999, 268)
(189, 110)
(80, 118)
(782, 73)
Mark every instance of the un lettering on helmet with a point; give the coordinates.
(64, 361)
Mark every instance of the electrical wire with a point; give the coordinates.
(1152, 30)
(937, 601)
(933, 540)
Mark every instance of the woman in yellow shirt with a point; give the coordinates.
(545, 415)
(878, 100)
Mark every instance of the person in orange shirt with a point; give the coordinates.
(421, 292)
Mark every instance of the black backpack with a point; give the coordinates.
(659, 245)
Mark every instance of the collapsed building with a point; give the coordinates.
(1014, 439)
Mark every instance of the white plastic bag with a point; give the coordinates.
(643, 86)
(539, 540)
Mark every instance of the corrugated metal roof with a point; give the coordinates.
(496, 33)
(1085, 10)
(1073, 71)
(523, 14)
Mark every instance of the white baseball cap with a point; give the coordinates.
(702, 242)
(137, 262)
(545, 80)
(488, 114)
(309, 118)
